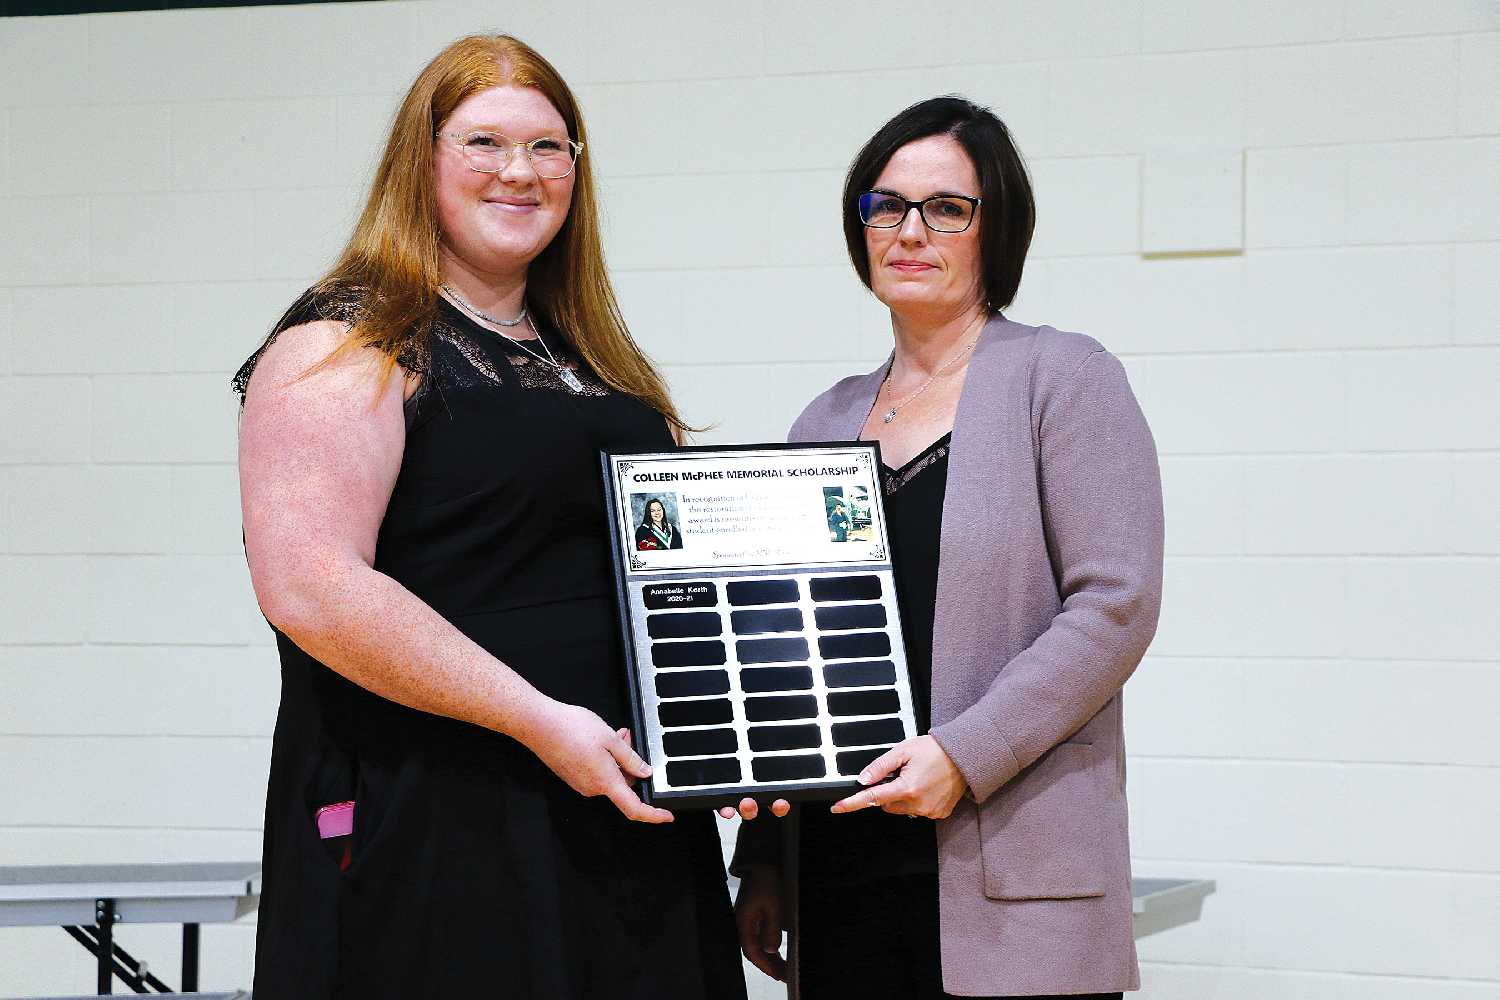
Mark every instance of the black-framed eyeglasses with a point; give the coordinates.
(942, 213)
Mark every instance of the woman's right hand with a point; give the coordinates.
(592, 758)
(758, 913)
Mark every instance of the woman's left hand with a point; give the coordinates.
(928, 783)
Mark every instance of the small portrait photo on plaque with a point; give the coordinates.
(848, 511)
(658, 525)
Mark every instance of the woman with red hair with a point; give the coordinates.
(430, 550)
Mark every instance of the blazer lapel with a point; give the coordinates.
(993, 409)
(973, 503)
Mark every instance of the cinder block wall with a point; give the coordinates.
(1285, 217)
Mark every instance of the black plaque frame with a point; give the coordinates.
(639, 671)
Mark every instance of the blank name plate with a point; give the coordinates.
(762, 638)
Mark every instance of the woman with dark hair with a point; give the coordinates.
(656, 531)
(987, 856)
(431, 552)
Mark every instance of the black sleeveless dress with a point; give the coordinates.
(475, 871)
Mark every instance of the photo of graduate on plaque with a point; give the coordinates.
(848, 512)
(838, 515)
(656, 521)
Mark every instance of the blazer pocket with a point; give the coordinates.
(1042, 834)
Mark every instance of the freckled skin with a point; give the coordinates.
(487, 244)
(319, 458)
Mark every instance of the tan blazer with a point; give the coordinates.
(1049, 584)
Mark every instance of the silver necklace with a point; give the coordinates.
(487, 318)
(891, 413)
(564, 373)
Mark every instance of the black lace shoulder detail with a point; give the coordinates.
(449, 357)
(521, 366)
(313, 305)
(477, 369)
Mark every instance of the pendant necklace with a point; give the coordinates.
(890, 414)
(564, 373)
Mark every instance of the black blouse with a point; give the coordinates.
(869, 844)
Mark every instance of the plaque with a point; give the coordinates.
(762, 640)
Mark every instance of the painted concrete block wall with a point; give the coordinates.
(1284, 216)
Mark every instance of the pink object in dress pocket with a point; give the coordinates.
(336, 820)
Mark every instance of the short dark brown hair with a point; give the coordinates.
(1008, 213)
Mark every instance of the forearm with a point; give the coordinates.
(367, 627)
(1045, 694)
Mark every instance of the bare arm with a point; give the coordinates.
(318, 460)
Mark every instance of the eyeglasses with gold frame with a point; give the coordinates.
(552, 157)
